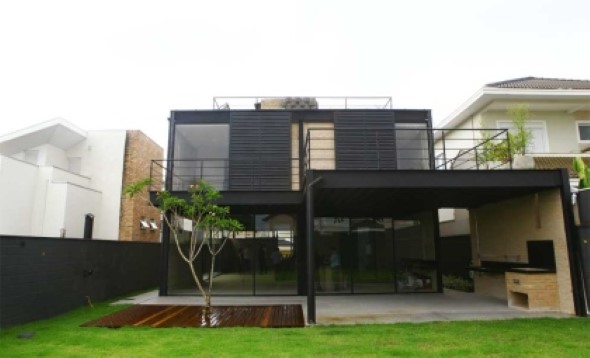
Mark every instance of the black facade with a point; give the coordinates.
(352, 209)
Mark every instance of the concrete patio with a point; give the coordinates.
(356, 309)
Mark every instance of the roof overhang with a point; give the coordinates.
(57, 132)
(404, 192)
(565, 99)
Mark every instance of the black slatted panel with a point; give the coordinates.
(365, 140)
(260, 151)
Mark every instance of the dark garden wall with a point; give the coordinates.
(43, 277)
(584, 236)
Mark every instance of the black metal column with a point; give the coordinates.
(310, 248)
(573, 245)
(164, 257)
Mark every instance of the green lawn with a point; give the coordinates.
(63, 337)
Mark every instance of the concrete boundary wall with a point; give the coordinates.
(44, 277)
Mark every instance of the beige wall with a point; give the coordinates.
(322, 144)
(140, 150)
(295, 185)
(561, 128)
(458, 225)
(500, 232)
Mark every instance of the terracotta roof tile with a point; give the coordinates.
(542, 83)
(557, 163)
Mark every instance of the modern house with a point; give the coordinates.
(343, 198)
(57, 180)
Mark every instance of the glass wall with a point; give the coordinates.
(201, 151)
(375, 255)
(412, 146)
(415, 254)
(257, 261)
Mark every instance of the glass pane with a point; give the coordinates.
(414, 254)
(201, 151)
(584, 131)
(232, 274)
(411, 142)
(333, 255)
(276, 271)
(372, 249)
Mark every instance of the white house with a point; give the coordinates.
(559, 121)
(54, 174)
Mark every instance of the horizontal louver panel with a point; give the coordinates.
(260, 151)
(365, 140)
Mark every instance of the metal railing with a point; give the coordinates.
(249, 174)
(377, 149)
(408, 149)
(323, 102)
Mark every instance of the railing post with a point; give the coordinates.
(444, 148)
(476, 158)
(509, 149)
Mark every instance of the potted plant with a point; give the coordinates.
(513, 147)
(583, 195)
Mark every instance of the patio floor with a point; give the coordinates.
(384, 308)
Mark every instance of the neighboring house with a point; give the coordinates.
(57, 180)
(559, 117)
(349, 197)
(559, 121)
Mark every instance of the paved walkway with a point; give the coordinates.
(353, 309)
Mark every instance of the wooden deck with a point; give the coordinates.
(275, 316)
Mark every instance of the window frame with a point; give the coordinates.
(534, 123)
(578, 136)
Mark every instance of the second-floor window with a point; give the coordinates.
(539, 142)
(583, 128)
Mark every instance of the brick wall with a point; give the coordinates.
(500, 232)
(540, 290)
(140, 150)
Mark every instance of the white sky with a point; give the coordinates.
(126, 64)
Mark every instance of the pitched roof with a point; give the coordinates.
(557, 162)
(542, 83)
(58, 132)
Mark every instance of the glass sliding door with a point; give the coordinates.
(415, 254)
(257, 261)
(275, 271)
(375, 255)
(333, 255)
(372, 255)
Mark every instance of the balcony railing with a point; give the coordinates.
(322, 102)
(407, 149)
(382, 149)
(249, 175)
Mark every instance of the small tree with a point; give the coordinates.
(521, 137)
(516, 141)
(209, 223)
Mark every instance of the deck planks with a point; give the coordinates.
(161, 316)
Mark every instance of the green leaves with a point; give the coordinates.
(201, 206)
(137, 187)
(583, 173)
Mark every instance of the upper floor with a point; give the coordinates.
(271, 145)
(558, 112)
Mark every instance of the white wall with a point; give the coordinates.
(80, 201)
(103, 158)
(42, 200)
(17, 186)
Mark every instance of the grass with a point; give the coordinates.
(62, 336)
